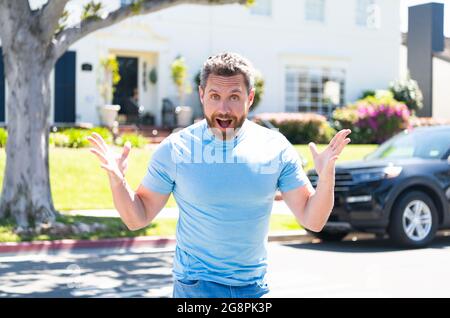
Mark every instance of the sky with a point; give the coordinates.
(404, 4)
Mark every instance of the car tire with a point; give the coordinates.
(414, 220)
(327, 236)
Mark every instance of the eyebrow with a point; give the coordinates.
(236, 90)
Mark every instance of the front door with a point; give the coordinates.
(128, 84)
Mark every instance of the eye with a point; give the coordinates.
(215, 97)
(234, 98)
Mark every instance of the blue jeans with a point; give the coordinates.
(204, 289)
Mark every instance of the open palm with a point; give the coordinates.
(114, 163)
(324, 162)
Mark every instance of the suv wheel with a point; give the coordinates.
(414, 220)
(328, 236)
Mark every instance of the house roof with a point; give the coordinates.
(444, 55)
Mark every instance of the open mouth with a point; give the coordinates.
(224, 123)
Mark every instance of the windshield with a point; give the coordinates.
(418, 144)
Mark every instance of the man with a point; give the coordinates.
(224, 172)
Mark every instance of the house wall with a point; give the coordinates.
(441, 92)
(370, 56)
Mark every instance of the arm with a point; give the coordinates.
(136, 209)
(312, 208)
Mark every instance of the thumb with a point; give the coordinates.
(313, 149)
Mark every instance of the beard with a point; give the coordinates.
(225, 126)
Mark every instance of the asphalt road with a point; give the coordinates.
(364, 267)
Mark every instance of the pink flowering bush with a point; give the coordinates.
(372, 119)
(299, 128)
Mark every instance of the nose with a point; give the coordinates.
(224, 108)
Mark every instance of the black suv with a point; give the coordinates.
(401, 189)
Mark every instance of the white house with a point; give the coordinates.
(314, 55)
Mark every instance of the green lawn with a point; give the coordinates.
(116, 228)
(78, 182)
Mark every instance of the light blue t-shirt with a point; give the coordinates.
(224, 191)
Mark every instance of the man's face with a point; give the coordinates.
(226, 103)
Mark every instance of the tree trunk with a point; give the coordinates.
(26, 194)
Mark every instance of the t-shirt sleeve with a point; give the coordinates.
(161, 170)
(292, 174)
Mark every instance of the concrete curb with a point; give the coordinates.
(126, 242)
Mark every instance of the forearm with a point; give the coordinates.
(128, 204)
(319, 205)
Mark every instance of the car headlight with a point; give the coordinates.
(376, 174)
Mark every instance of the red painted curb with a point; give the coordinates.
(128, 242)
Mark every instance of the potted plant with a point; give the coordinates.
(179, 76)
(108, 78)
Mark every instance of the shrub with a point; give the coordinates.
(300, 128)
(407, 91)
(3, 137)
(373, 119)
(104, 132)
(136, 140)
(367, 93)
(77, 137)
(58, 139)
(259, 91)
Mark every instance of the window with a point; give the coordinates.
(367, 14)
(262, 7)
(318, 90)
(418, 144)
(315, 10)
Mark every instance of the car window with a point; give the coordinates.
(420, 144)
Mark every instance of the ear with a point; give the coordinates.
(200, 93)
(251, 97)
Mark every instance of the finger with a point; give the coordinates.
(335, 139)
(100, 140)
(340, 136)
(99, 155)
(313, 149)
(341, 146)
(126, 151)
(95, 144)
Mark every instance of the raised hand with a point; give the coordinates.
(115, 164)
(324, 162)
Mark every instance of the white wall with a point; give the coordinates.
(441, 92)
(403, 62)
(370, 56)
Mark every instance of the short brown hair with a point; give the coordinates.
(228, 64)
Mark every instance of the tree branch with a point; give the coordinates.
(69, 36)
(14, 15)
(49, 17)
